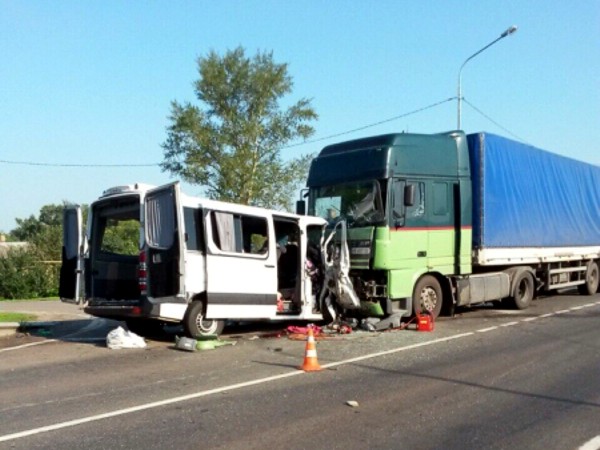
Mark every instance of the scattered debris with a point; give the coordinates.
(121, 338)
(186, 344)
(203, 343)
(352, 403)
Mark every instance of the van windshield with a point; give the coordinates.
(359, 203)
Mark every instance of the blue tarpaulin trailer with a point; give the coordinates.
(530, 202)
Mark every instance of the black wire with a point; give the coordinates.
(310, 141)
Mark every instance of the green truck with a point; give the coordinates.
(444, 220)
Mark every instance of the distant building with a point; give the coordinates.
(6, 247)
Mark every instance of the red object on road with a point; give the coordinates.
(424, 322)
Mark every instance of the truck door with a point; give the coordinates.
(164, 237)
(71, 269)
(241, 265)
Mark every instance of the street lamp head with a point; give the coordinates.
(509, 30)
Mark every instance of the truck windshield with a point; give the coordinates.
(359, 203)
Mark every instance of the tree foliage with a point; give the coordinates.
(230, 144)
(32, 271)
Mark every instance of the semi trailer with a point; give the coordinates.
(436, 221)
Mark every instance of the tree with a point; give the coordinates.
(231, 143)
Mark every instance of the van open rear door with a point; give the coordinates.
(165, 240)
(71, 269)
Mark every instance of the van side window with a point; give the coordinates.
(239, 233)
(194, 230)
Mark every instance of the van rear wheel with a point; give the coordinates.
(196, 325)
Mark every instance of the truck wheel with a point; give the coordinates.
(592, 280)
(523, 288)
(427, 296)
(196, 325)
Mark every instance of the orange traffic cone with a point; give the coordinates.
(310, 354)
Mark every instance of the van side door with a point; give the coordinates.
(71, 270)
(163, 219)
(241, 265)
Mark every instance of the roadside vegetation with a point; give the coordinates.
(16, 317)
(32, 270)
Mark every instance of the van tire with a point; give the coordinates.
(427, 296)
(197, 326)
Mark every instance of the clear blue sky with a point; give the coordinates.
(91, 82)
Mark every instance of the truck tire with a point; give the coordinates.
(592, 280)
(522, 288)
(427, 296)
(196, 325)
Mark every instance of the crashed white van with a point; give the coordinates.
(194, 261)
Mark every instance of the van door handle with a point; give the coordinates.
(421, 254)
(270, 266)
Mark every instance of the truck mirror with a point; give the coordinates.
(301, 207)
(409, 195)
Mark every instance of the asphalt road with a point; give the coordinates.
(487, 378)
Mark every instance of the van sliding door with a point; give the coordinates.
(164, 237)
(241, 270)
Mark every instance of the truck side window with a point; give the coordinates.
(417, 210)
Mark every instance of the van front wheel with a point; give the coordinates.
(196, 325)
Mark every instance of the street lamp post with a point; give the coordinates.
(509, 31)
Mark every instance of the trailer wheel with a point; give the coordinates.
(523, 288)
(196, 325)
(427, 296)
(592, 280)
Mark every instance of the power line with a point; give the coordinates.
(312, 141)
(494, 122)
(31, 163)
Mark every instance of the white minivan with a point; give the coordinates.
(152, 255)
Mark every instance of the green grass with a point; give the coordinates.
(15, 317)
(45, 299)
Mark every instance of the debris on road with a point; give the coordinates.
(205, 343)
(352, 403)
(120, 338)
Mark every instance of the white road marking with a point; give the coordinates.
(31, 344)
(232, 387)
(485, 330)
(592, 444)
(576, 308)
(509, 324)
(530, 319)
(562, 311)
